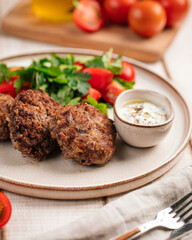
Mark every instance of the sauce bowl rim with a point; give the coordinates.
(169, 120)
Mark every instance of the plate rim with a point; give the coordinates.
(138, 64)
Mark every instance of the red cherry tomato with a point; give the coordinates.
(101, 77)
(7, 88)
(117, 10)
(147, 18)
(176, 10)
(94, 93)
(89, 15)
(127, 73)
(112, 92)
(7, 209)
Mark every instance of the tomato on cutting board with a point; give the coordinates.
(100, 77)
(89, 15)
(5, 209)
(117, 10)
(112, 92)
(127, 73)
(176, 10)
(147, 18)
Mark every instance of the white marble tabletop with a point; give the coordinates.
(32, 215)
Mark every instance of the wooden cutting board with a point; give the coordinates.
(21, 22)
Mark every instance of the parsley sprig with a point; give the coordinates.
(58, 76)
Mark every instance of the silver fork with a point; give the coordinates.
(170, 218)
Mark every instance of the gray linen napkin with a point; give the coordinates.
(128, 212)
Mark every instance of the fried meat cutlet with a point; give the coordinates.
(84, 134)
(6, 102)
(29, 123)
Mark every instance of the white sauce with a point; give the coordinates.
(143, 113)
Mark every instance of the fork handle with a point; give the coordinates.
(128, 234)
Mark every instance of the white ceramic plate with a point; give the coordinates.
(129, 168)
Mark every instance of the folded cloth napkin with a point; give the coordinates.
(129, 211)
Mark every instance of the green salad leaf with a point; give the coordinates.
(106, 61)
(63, 79)
(4, 72)
(126, 85)
(58, 76)
(101, 106)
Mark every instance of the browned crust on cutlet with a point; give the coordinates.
(84, 134)
(6, 102)
(29, 123)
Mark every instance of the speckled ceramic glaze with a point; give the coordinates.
(141, 135)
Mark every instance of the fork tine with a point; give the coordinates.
(182, 208)
(187, 219)
(175, 205)
(183, 214)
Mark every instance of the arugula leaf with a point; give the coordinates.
(126, 85)
(101, 106)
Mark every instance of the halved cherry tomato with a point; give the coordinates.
(112, 92)
(117, 10)
(101, 77)
(7, 88)
(94, 93)
(127, 73)
(89, 15)
(82, 65)
(176, 10)
(147, 18)
(7, 209)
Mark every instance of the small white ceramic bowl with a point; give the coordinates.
(143, 135)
